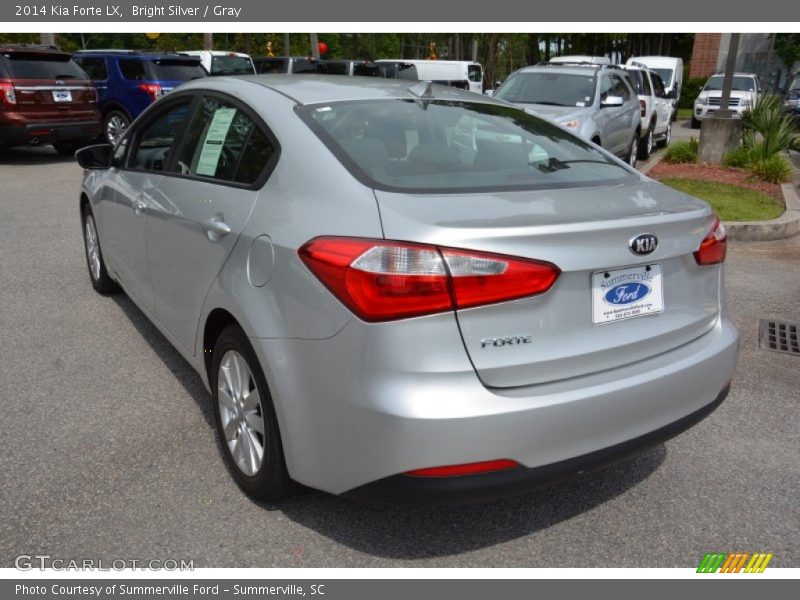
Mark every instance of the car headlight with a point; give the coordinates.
(746, 102)
(702, 101)
(573, 124)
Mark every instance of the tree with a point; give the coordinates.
(787, 46)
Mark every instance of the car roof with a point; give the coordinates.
(565, 69)
(137, 54)
(315, 89)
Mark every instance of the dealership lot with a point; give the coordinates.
(110, 450)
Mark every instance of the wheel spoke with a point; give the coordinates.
(251, 400)
(228, 375)
(240, 375)
(256, 451)
(255, 421)
(229, 428)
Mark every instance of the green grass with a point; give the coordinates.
(684, 113)
(731, 202)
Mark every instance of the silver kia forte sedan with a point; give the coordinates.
(407, 293)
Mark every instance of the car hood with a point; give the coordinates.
(556, 113)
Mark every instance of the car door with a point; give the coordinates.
(614, 125)
(202, 205)
(137, 183)
(663, 105)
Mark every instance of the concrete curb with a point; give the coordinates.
(787, 225)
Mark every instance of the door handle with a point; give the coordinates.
(216, 228)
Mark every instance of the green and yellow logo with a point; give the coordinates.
(714, 562)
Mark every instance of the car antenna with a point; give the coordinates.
(422, 90)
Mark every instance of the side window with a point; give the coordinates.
(156, 139)
(648, 89)
(132, 70)
(95, 67)
(658, 85)
(225, 144)
(619, 88)
(606, 87)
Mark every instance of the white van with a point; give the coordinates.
(464, 74)
(220, 62)
(669, 69)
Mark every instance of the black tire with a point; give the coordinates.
(114, 117)
(101, 281)
(632, 153)
(646, 143)
(271, 482)
(695, 123)
(65, 148)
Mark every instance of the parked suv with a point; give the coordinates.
(219, 62)
(595, 101)
(745, 91)
(655, 108)
(128, 81)
(45, 98)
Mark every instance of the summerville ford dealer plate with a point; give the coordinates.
(626, 293)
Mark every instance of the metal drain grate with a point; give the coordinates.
(779, 336)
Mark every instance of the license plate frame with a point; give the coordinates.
(62, 96)
(627, 293)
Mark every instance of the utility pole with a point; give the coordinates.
(47, 39)
(208, 41)
(314, 45)
(287, 51)
(722, 133)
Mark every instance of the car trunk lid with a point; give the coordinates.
(585, 232)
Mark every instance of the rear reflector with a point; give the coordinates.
(714, 246)
(486, 466)
(383, 280)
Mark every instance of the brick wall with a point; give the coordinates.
(704, 54)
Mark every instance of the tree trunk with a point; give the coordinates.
(47, 39)
(314, 45)
(533, 49)
(287, 45)
(208, 41)
(247, 43)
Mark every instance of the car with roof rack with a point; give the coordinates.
(45, 98)
(128, 81)
(597, 102)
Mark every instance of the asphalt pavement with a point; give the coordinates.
(109, 450)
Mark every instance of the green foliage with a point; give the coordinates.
(682, 152)
(775, 169)
(690, 90)
(787, 46)
(730, 202)
(738, 158)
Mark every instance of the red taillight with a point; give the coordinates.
(383, 280)
(8, 95)
(151, 89)
(643, 107)
(486, 466)
(714, 246)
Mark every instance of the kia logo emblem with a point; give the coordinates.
(643, 244)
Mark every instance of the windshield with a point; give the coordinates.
(740, 84)
(554, 89)
(231, 65)
(666, 75)
(31, 65)
(175, 70)
(794, 84)
(438, 147)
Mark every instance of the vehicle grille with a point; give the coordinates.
(712, 101)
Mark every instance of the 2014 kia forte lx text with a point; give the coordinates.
(409, 294)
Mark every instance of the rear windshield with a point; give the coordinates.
(474, 73)
(272, 65)
(175, 70)
(552, 89)
(31, 65)
(438, 146)
(231, 65)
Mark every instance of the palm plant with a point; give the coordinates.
(768, 130)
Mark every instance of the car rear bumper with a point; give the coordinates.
(32, 134)
(408, 490)
(358, 410)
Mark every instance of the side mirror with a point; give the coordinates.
(489, 92)
(611, 101)
(95, 157)
(671, 94)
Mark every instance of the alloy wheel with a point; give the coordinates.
(115, 127)
(92, 247)
(241, 413)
